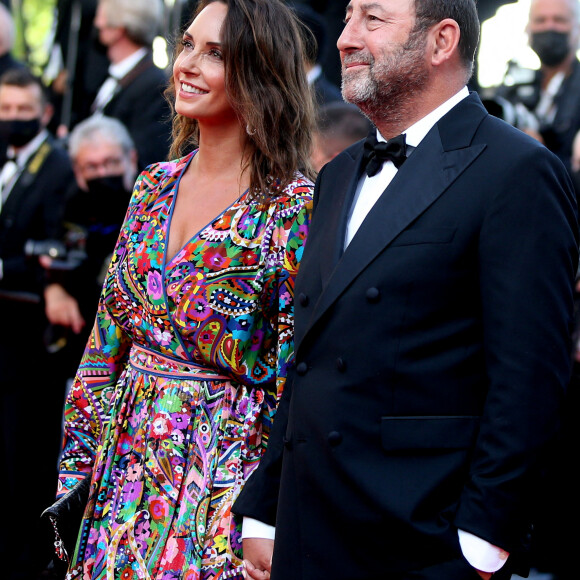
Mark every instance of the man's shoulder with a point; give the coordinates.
(147, 74)
(57, 158)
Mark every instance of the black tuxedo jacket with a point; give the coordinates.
(140, 105)
(431, 356)
(325, 91)
(33, 211)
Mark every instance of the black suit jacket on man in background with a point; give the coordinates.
(432, 355)
(140, 105)
(32, 389)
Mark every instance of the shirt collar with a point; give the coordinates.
(120, 69)
(24, 153)
(416, 132)
(313, 73)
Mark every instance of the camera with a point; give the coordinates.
(65, 255)
(55, 249)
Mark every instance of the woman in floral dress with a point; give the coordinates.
(176, 392)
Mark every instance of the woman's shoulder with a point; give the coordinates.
(155, 177)
(163, 170)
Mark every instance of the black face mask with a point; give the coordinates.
(17, 132)
(104, 187)
(107, 199)
(551, 46)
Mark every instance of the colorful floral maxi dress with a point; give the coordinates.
(176, 392)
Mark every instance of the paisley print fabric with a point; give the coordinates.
(178, 386)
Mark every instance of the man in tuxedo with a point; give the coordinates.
(33, 182)
(433, 310)
(133, 92)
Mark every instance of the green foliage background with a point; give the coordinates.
(33, 20)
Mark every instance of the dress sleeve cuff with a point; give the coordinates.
(481, 554)
(252, 528)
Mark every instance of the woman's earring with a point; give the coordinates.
(250, 131)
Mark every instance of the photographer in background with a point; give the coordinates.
(33, 182)
(553, 94)
(105, 166)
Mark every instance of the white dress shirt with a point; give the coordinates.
(478, 552)
(371, 188)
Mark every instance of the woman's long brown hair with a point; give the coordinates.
(266, 84)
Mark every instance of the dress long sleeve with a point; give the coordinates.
(287, 245)
(87, 403)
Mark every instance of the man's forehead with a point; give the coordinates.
(564, 7)
(381, 5)
(98, 147)
(14, 93)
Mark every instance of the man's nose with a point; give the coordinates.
(349, 39)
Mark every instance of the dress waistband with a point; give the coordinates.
(150, 361)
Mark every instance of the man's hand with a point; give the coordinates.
(62, 308)
(258, 557)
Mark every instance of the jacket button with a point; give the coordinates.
(301, 368)
(340, 365)
(303, 299)
(373, 295)
(334, 438)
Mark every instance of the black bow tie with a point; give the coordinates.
(377, 152)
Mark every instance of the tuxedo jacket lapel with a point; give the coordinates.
(440, 159)
(345, 183)
(26, 177)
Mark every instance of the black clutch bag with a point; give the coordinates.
(66, 515)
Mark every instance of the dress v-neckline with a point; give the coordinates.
(167, 262)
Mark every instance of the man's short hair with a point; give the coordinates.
(23, 77)
(140, 18)
(464, 12)
(93, 128)
(342, 121)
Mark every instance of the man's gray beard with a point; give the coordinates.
(388, 88)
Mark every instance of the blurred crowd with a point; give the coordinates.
(70, 150)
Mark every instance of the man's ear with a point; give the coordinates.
(81, 182)
(444, 41)
(46, 114)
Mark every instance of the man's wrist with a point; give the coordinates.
(252, 528)
(481, 554)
